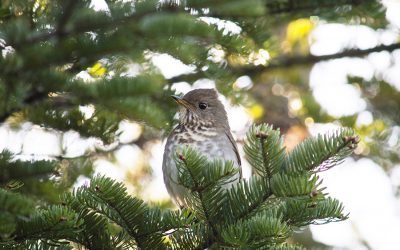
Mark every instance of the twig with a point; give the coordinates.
(284, 62)
(62, 22)
(296, 6)
(289, 61)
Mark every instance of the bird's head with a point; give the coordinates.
(201, 107)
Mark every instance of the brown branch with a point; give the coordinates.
(285, 62)
(68, 11)
(296, 6)
(288, 61)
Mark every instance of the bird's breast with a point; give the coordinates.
(196, 136)
(207, 142)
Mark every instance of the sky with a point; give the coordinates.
(366, 191)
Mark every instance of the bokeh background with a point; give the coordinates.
(303, 95)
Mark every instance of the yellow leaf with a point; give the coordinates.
(256, 111)
(40, 6)
(97, 70)
(379, 125)
(297, 33)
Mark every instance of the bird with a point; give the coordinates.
(203, 125)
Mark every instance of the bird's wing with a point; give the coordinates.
(235, 149)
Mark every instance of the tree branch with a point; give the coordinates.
(279, 7)
(62, 22)
(82, 27)
(288, 61)
(285, 62)
(31, 99)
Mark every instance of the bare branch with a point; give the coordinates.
(288, 61)
(290, 6)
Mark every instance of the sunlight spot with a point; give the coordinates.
(364, 118)
(170, 66)
(129, 131)
(243, 82)
(309, 121)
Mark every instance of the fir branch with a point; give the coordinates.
(111, 200)
(14, 206)
(101, 24)
(199, 174)
(286, 185)
(261, 230)
(321, 211)
(321, 153)
(190, 239)
(33, 98)
(171, 221)
(264, 150)
(143, 224)
(56, 222)
(11, 169)
(286, 247)
(246, 197)
(189, 166)
(94, 233)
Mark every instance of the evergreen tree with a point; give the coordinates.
(45, 44)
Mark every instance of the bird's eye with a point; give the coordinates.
(203, 105)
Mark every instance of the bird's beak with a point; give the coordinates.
(182, 101)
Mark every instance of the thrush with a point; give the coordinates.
(203, 126)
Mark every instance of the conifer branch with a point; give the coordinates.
(321, 153)
(33, 98)
(199, 190)
(56, 222)
(254, 191)
(12, 169)
(79, 28)
(264, 150)
(262, 137)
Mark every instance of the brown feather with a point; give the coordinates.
(235, 149)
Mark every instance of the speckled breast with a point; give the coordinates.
(207, 142)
